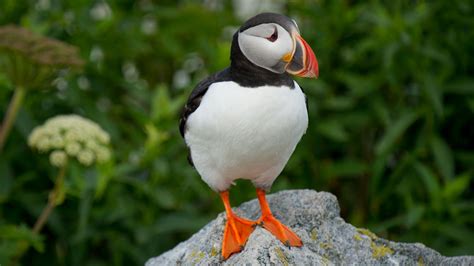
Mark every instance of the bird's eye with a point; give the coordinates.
(274, 36)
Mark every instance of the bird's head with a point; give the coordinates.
(273, 42)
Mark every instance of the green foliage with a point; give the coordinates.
(390, 134)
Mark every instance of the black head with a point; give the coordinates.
(263, 18)
(270, 43)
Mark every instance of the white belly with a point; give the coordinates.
(247, 133)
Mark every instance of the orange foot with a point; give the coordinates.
(269, 222)
(237, 230)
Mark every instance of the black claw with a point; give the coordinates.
(242, 247)
(287, 244)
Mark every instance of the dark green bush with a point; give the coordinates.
(391, 124)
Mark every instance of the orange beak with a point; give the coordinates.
(303, 62)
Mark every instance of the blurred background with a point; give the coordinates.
(391, 123)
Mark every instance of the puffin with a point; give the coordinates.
(245, 121)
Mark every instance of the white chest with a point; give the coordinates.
(249, 133)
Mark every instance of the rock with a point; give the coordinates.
(315, 218)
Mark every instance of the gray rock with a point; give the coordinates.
(327, 239)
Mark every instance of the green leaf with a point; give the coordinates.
(414, 215)
(21, 233)
(470, 103)
(443, 157)
(161, 104)
(430, 181)
(179, 222)
(395, 132)
(381, 111)
(332, 130)
(359, 85)
(434, 95)
(455, 187)
(6, 181)
(106, 172)
(458, 232)
(463, 86)
(344, 168)
(338, 103)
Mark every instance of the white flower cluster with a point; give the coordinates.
(71, 136)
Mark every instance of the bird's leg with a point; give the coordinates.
(237, 230)
(269, 222)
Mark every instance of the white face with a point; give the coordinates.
(265, 45)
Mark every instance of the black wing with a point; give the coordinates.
(305, 99)
(195, 98)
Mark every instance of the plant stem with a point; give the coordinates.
(10, 116)
(52, 201)
(54, 195)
